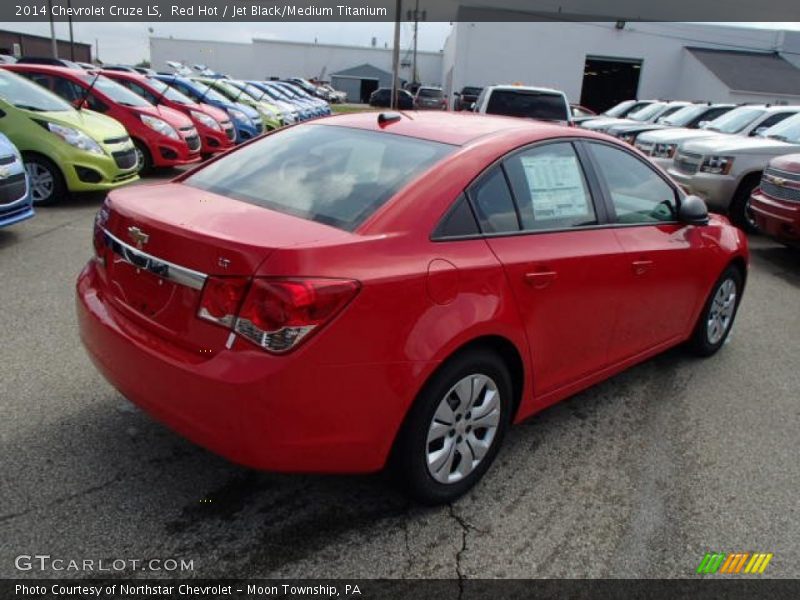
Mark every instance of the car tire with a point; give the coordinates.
(452, 436)
(143, 157)
(719, 313)
(740, 212)
(45, 179)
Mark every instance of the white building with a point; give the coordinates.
(598, 64)
(360, 69)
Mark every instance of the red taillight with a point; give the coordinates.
(276, 314)
(221, 299)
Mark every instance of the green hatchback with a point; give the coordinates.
(64, 149)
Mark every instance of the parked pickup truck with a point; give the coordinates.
(725, 170)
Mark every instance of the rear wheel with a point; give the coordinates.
(455, 427)
(740, 212)
(46, 181)
(716, 320)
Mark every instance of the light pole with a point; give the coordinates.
(396, 55)
(52, 28)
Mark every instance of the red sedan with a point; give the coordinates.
(395, 289)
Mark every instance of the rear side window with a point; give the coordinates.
(459, 221)
(530, 104)
(493, 203)
(550, 188)
(334, 175)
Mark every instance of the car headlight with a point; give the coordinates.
(160, 126)
(717, 165)
(664, 150)
(206, 120)
(76, 138)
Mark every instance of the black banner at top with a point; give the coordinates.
(155, 11)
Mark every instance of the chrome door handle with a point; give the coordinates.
(540, 279)
(640, 267)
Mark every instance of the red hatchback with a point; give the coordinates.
(213, 125)
(776, 201)
(373, 289)
(163, 137)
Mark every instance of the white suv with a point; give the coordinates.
(522, 101)
(747, 120)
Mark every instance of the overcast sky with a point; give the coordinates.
(128, 42)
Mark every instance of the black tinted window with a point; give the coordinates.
(638, 193)
(550, 188)
(493, 204)
(329, 174)
(522, 103)
(458, 221)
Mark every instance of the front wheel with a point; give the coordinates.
(45, 179)
(455, 428)
(716, 320)
(740, 212)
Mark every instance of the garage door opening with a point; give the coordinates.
(608, 81)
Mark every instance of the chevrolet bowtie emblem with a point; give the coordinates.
(138, 236)
(5, 172)
(777, 180)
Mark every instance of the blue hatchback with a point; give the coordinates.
(16, 203)
(246, 120)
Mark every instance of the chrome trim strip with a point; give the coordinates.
(161, 268)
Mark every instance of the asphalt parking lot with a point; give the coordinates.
(637, 477)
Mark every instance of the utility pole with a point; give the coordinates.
(71, 39)
(396, 55)
(416, 28)
(52, 29)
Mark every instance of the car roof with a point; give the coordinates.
(451, 128)
(526, 88)
(47, 69)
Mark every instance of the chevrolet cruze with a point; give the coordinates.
(374, 290)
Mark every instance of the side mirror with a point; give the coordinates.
(760, 130)
(693, 211)
(473, 107)
(703, 124)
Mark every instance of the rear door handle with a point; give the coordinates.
(640, 267)
(540, 279)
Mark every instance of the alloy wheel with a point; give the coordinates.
(720, 314)
(41, 181)
(463, 428)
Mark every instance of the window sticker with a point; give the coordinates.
(556, 186)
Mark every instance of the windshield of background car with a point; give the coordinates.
(683, 116)
(471, 91)
(170, 93)
(334, 175)
(786, 131)
(209, 93)
(648, 112)
(429, 93)
(116, 92)
(735, 120)
(619, 109)
(531, 104)
(29, 96)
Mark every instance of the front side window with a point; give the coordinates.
(550, 188)
(334, 175)
(638, 193)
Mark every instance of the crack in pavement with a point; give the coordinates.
(465, 527)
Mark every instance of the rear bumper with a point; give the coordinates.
(256, 409)
(777, 219)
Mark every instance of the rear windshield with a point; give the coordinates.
(523, 103)
(429, 93)
(329, 174)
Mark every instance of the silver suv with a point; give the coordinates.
(724, 170)
(749, 120)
